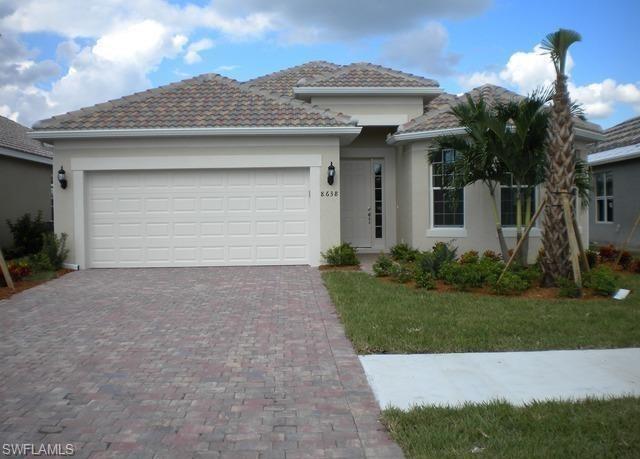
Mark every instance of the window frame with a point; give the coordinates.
(433, 228)
(605, 197)
(534, 204)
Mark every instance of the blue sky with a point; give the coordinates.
(63, 55)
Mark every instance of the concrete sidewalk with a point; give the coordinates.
(517, 377)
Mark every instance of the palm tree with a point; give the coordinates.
(560, 173)
(521, 128)
(477, 159)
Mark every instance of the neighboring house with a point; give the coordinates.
(25, 187)
(615, 205)
(210, 171)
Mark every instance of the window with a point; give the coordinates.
(378, 201)
(448, 202)
(508, 194)
(604, 197)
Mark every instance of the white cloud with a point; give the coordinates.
(526, 71)
(192, 56)
(108, 48)
(5, 111)
(225, 68)
(423, 49)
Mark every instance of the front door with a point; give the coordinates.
(356, 201)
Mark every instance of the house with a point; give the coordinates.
(26, 177)
(615, 207)
(275, 170)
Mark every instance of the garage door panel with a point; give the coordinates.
(198, 217)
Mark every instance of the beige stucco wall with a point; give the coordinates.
(25, 188)
(374, 110)
(162, 150)
(414, 209)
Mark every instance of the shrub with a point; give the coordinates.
(491, 255)
(602, 280)
(625, 259)
(403, 252)
(55, 248)
(608, 252)
(426, 262)
(27, 234)
(41, 262)
(511, 283)
(424, 279)
(490, 267)
(469, 257)
(635, 266)
(18, 269)
(532, 274)
(401, 272)
(341, 255)
(592, 257)
(568, 288)
(382, 266)
(442, 254)
(462, 276)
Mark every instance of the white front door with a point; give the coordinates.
(355, 202)
(208, 217)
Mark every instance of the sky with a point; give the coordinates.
(57, 56)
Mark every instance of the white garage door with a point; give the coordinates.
(198, 217)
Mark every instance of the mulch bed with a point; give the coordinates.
(22, 285)
(534, 292)
(339, 268)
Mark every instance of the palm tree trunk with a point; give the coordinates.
(519, 218)
(527, 220)
(504, 249)
(560, 179)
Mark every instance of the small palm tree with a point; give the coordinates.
(477, 159)
(560, 173)
(522, 130)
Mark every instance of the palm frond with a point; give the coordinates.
(557, 45)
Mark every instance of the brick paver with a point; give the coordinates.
(247, 362)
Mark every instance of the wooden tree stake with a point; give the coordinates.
(583, 254)
(5, 272)
(524, 237)
(573, 240)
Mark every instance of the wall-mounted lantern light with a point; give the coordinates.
(62, 178)
(332, 173)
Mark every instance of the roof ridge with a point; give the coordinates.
(387, 70)
(623, 124)
(288, 69)
(136, 96)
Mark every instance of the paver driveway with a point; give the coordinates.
(187, 362)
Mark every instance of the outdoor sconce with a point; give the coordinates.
(62, 178)
(332, 173)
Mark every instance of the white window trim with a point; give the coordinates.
(445, 231)
(604, 198)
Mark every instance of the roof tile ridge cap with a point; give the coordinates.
(339, 71)
(252, 81)
(136, 96)
(287, 100)
(398, 73)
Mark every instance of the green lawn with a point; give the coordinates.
(588, 429)
(382, 317)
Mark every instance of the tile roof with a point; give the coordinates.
(621, 135)
(206, 101)
(14, 136)
(364, 74)
(438, 113)
(283, 81)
